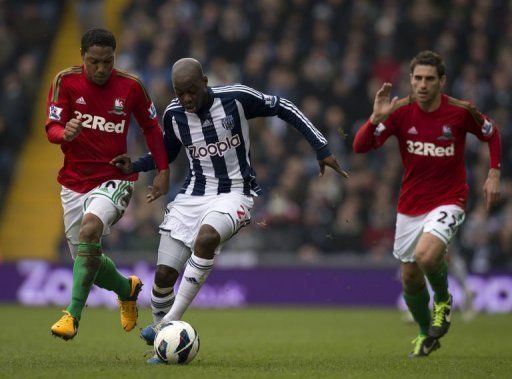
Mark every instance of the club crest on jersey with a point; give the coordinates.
(446, 134)
(118, 107)
(228, 122)
(54, 113)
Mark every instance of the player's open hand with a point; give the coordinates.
(492, 189)
(123, 163)
(383, 105)
(72, 129)
(160, 186)
(332, 163)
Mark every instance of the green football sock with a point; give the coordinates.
(111, 279)
(85, 268)
(418, 305)
(439, 282)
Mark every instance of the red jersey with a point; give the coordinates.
(432, 148)
(105, 112)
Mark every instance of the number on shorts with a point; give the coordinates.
(111, 184)
(441, 220)
(452, 224)
(125, 200)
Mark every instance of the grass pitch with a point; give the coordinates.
(256, 343)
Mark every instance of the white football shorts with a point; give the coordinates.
(226, 213)
(443, 222)
(108, 202)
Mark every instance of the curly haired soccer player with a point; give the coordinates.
(431, 129)
(89, 111)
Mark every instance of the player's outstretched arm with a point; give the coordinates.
(332, 162)
(160, 182)
(383, 105)
(492, 188)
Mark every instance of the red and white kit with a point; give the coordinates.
(434, 191)
(105, 111)
(432, 148)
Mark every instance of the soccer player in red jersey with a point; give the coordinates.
(431, 128)
(89, 111)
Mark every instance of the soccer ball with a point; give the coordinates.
(177, 342)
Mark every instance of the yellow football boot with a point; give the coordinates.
(66, 328)
(129, 311)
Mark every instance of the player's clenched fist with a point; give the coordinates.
(123, 162)
(72, 129)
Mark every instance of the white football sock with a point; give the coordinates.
(195, 274)
(162, 300)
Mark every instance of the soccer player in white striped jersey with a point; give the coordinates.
(217, 196)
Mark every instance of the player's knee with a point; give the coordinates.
(206, 242)
(165, 276)
(426, 259)
(91, 228)
(421, 256)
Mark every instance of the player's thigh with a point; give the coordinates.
(73, 211)
(186, 214)
(109, 201)
(407, 233)
(443, 222)
(182, 218)
(228, 214)
(429, 248)
(172, 253)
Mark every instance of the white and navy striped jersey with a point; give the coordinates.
(216, 138)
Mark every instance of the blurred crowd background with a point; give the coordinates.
(328, 57)
(23, 52)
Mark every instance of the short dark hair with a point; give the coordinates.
(99, 37)
(429, 58)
